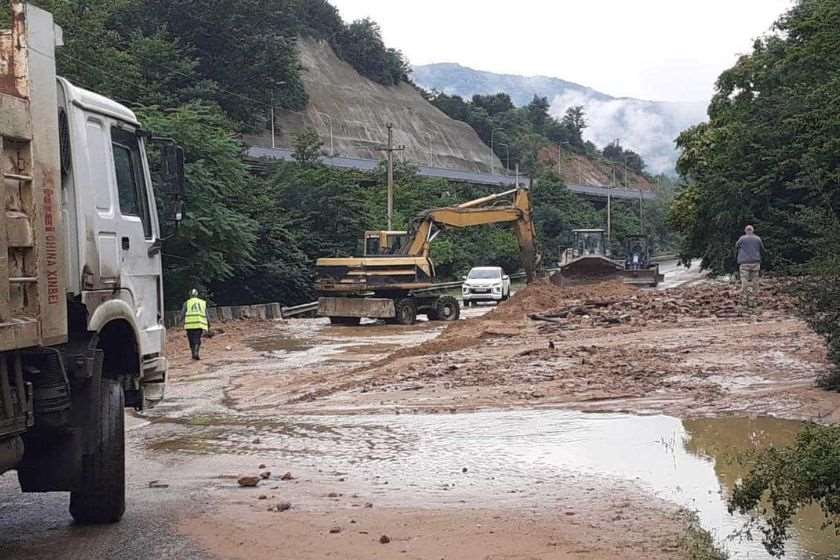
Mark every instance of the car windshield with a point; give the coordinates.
(486, 274)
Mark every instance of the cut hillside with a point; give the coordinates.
(578, 169)
(358, 111)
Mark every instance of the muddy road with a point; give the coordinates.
(574, 422)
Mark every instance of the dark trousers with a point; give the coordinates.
(194, 336)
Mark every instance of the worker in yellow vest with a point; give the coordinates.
(195, 321)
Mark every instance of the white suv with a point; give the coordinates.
(485, 283)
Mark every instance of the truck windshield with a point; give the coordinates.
(477, 274)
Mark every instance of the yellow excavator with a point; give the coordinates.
(395, 278)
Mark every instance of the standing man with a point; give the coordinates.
(195, 321)
(750, 249)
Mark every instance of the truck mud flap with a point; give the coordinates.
(375, 308)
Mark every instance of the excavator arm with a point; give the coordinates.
(480, 212)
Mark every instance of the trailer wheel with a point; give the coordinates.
(100, 495)
(347, 321)
(447, 308)
(406, 312)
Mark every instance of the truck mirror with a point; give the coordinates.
(172, 169)
(178, 211)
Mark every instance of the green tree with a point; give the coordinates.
(574, 121)
(769, 150)
(217, 235)
(360, 44)
(538, 115)
(308, 147)
(788, 479)
(494, 104)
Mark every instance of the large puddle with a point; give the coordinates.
(517, 458)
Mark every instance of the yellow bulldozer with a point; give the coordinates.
(395, 277)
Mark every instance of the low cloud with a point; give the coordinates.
(646, 127)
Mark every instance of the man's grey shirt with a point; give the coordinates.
(749, 249)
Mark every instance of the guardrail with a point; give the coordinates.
(296, 310)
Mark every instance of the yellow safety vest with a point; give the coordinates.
(196, 314)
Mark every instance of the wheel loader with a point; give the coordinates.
(639, 268)
(588, 260)
(394, 279)
(588, 257)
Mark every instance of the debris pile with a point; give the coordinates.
(712, 300)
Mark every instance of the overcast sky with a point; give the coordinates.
(651, 49)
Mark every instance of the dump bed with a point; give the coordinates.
(33, 310)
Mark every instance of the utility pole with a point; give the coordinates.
(609, 206)
(389, 150)
(641, 213)
(507, 149)
(273, 143)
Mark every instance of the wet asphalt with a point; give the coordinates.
(38, 526)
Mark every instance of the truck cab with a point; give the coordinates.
(113, 265)
(81, 294)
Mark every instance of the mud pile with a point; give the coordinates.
(714, 300)
(545, 294)
(510, 318)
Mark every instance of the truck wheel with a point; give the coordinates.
(348, 321)
(432, 315)
(100, 495)
(406, 312)
(447, 308)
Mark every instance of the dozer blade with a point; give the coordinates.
(643, 277)
(593, 267)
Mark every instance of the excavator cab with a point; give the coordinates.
(384, 243)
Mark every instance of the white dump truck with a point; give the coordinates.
(81, 295)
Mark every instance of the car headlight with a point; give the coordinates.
(497, 288)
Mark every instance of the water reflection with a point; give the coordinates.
(517, 457)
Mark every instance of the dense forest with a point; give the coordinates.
(205, 72)
(770, 156)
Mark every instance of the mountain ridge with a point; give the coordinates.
(645, 126)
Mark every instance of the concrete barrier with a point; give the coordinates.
(261, 312)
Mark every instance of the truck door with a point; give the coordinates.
(136, 231)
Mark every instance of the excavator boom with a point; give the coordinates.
(475, 213)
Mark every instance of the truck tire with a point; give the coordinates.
(100, 495)
(406, 312)
(447, 308)
(347, 321)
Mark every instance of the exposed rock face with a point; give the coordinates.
(358, 110)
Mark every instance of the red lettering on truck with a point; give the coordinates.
(51, 249)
